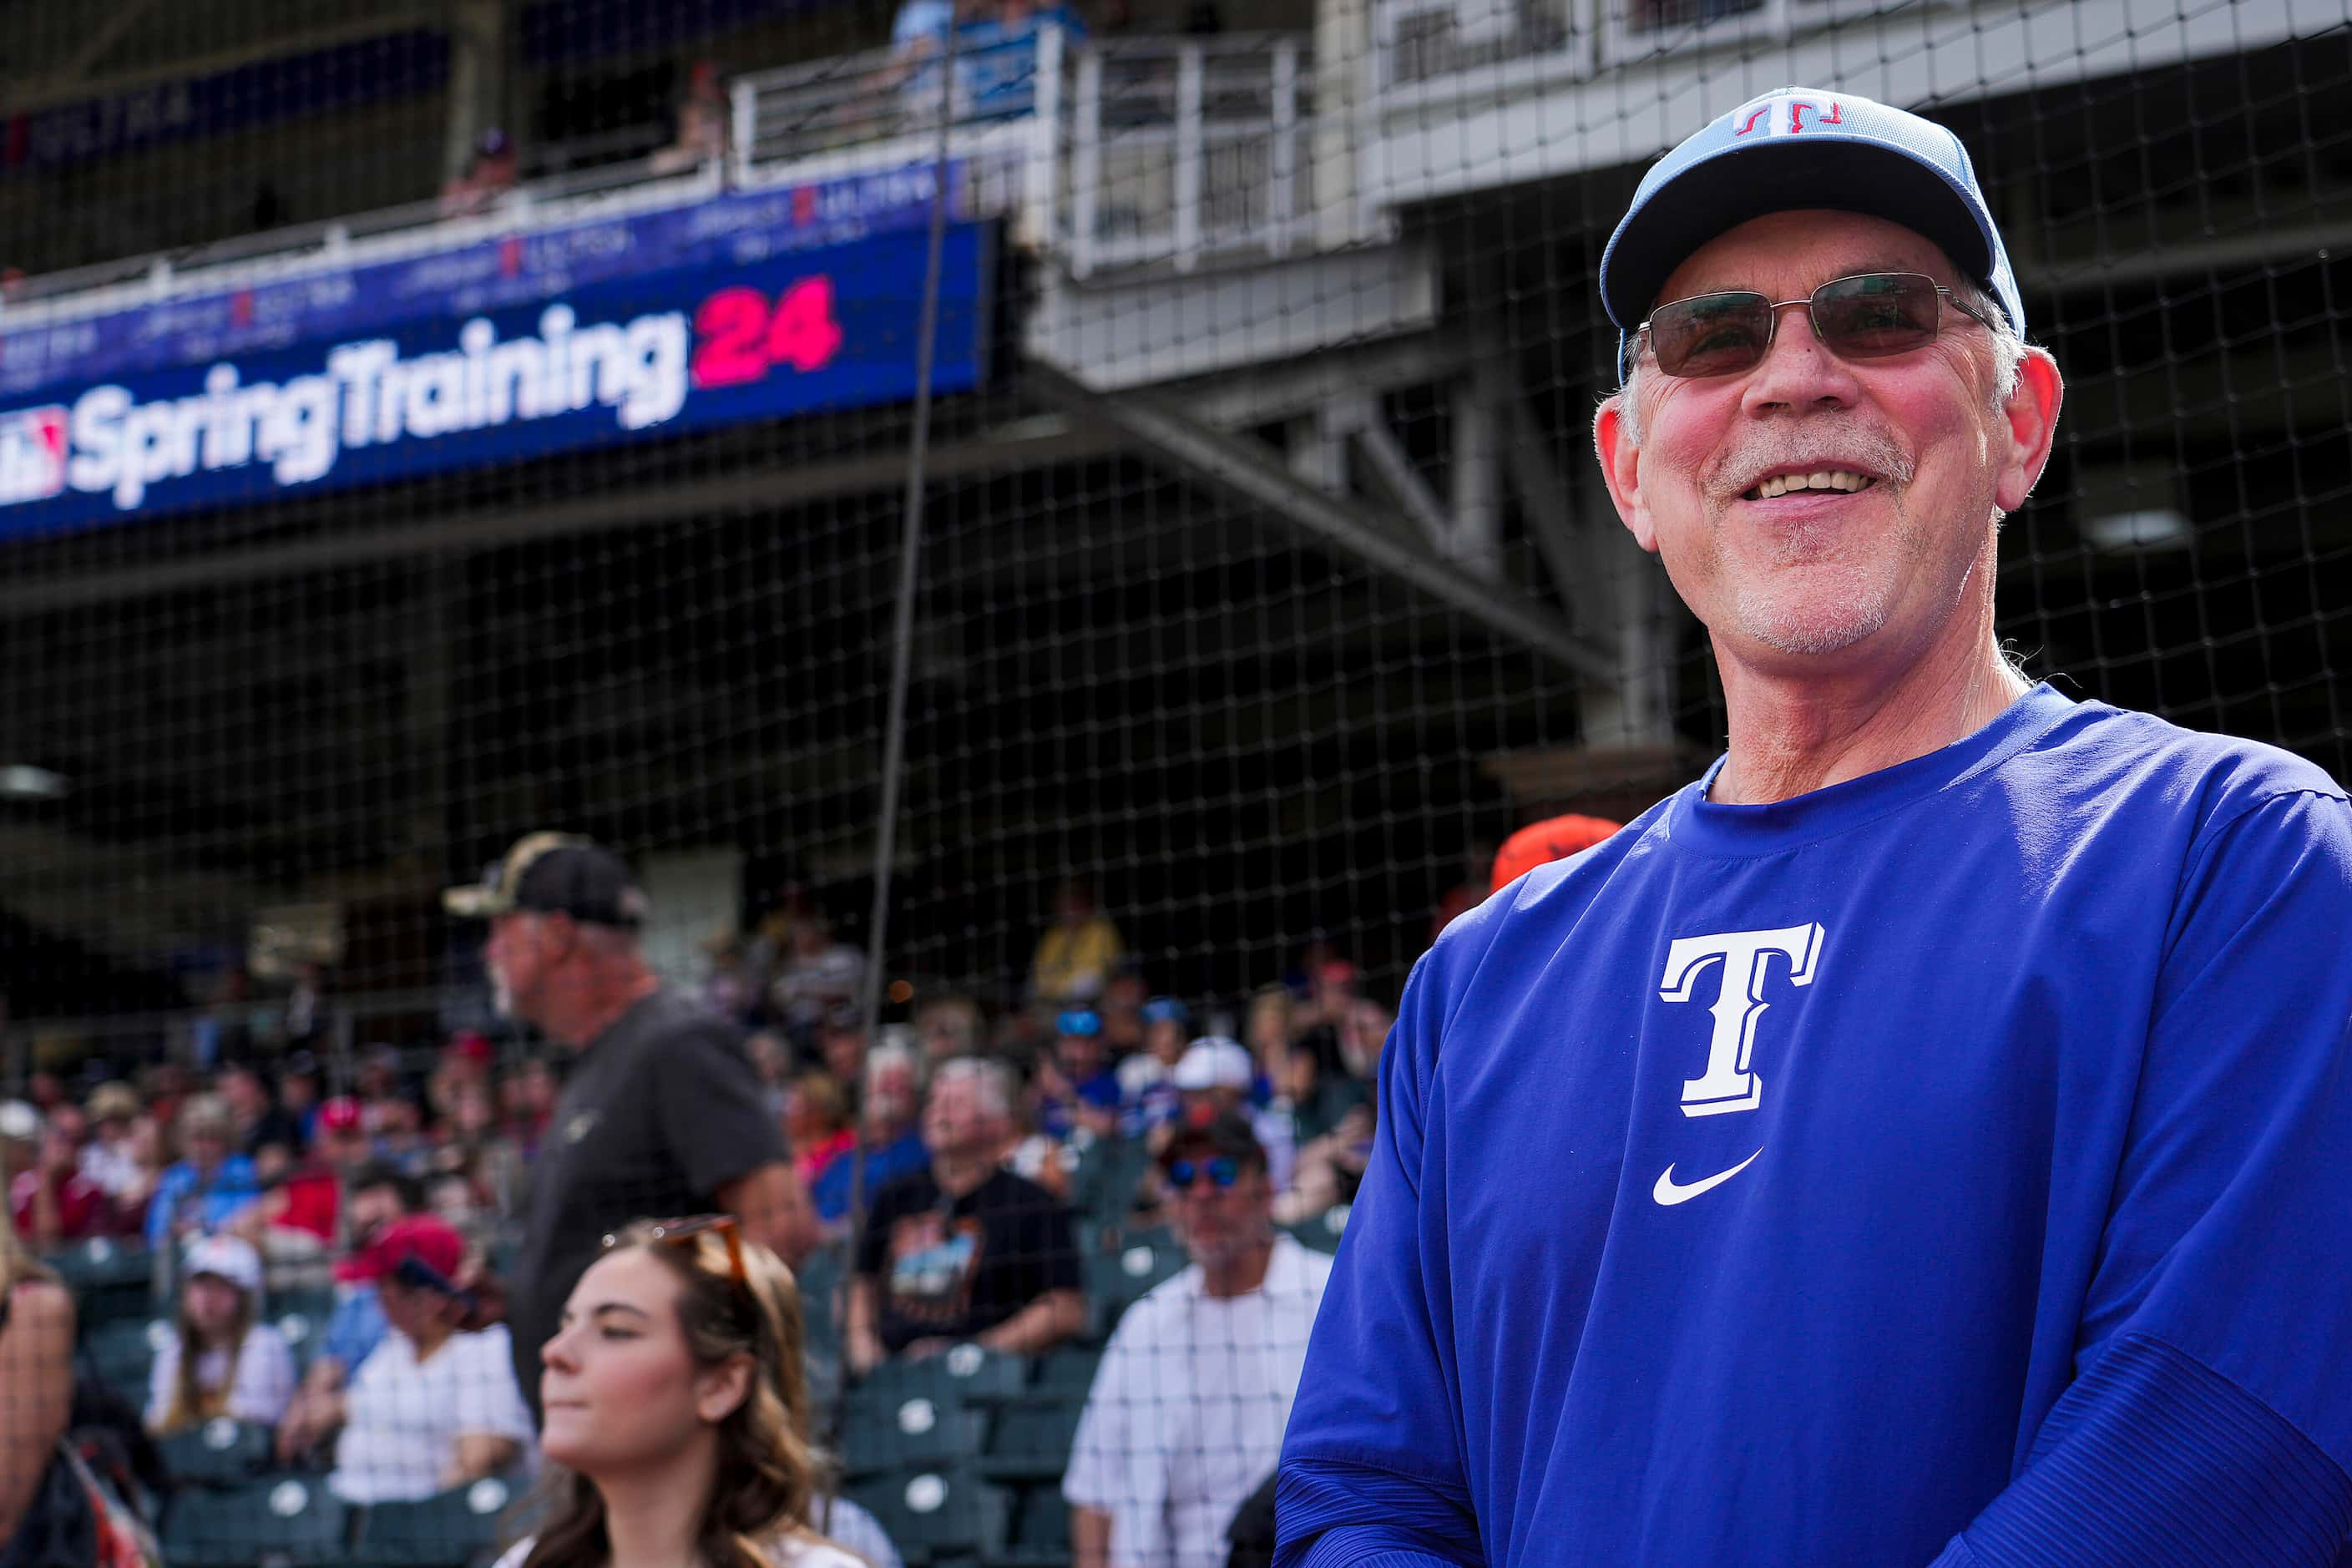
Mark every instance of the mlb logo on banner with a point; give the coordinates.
(32, 454)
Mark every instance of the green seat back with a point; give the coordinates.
(933, 1515)
(281, 1522)
(453, 1530)
(1031, 1441)
(218, 1453)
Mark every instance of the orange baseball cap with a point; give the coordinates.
(1541, 843)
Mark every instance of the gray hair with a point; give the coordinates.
(882, 1058)
(991, 1081)
(2008, 357)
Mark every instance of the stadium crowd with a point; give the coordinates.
(976, 1175)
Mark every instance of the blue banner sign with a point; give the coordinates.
(685, 349)
(508, 269)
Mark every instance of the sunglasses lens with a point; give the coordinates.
(1713, 334)
(1877, 314)
(1224, 1171)
(1182, 1176)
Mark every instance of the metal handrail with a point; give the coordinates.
(1223, 115)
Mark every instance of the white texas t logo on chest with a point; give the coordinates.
(1738, 960)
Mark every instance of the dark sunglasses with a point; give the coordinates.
(1221, 1171)
(1871, 315)
(682, 1233)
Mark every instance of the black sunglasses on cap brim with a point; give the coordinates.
(1871, 315)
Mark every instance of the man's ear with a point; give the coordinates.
(2031, 414)
(1620, 470)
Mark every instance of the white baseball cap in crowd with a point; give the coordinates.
(224, 1257)
(1212, 1062)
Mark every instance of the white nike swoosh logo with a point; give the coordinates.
(1669, 1192)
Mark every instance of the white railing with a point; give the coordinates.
(1120, 154)
(1179, 149)
(1425, 48)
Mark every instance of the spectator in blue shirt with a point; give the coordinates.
(210, 1183)
(996, 56)
(1076, 1088)
(894, 1137)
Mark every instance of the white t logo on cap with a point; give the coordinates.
(1786, 117)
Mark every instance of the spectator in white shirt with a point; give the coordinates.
(676, 1401)
(434, 1406)
(219, 1361)
(1185, 1418)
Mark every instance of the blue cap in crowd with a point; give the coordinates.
(1797, 148)
(1168, 1010)
(1078, 1021)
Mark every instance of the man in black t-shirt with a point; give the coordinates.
(966, 1250)
(661, 1115)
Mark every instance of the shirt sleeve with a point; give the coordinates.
(159, 1377)
(2209, 1421)
(1371, 1463)
(354, 1331)
(489, 1403)
(711, 1113)
(160, 1207)
(1104, 1444)
(265, 1377)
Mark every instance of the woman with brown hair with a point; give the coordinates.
(676, 1405)
(37, 1335)
(220, 1361)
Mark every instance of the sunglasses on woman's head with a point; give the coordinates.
(682, 1233)
(1221, 1171)
(1871, 315)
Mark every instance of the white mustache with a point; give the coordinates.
(1874, 451)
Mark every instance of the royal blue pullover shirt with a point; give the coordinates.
(1952, 1167)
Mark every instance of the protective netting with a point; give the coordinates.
(419, 429)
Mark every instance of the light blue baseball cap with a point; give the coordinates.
(1799, 147)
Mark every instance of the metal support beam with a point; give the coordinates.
(1480, 399)
(101, 39)
(25, 98)
(1027, 444)
(1236, 467)
(477, 47)
(1612, 589)
(1393, 471)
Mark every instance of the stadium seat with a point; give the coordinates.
(1102, 1187)
(218, 1453)
(110, 1281)
(916, 1431)
(819, 1277)
(965, 1374)
(1039, 1536)
(454, 1529)
(935, 1516)
(122, 1354)
(1068, 1372)
(280, 1519)
(1030, 1441)
(301, 1316)
(1117, 1281)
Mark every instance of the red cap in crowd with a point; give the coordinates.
(1555, 838)
(431, 1241)
(471, 1046)
(341, 1114)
